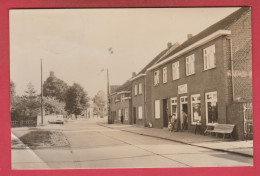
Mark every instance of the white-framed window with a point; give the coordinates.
(136, 89)
(140, 112)
(209, 57)
(174, 112)
(126, 114)
(140, 88)
(211, 107)
(190, 65)
(195, 109)
(157, 109)
(119, 114)
(165, 75)
(156, 77)
(175, 71)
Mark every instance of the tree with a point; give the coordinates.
(12, 93)
(100, 100)
(31, 100)
(54, 87)
(76, 100)
(26, 106)
(51, 105)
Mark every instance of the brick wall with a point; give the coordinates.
(199, 83)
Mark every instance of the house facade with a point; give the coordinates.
(205, 80)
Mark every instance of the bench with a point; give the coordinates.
(221, 128)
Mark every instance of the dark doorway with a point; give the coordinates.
(134, 115)
(165, 113)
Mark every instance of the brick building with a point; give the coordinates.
(206, 79)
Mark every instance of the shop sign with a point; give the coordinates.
(182, 89)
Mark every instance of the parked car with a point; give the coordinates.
(56, 119)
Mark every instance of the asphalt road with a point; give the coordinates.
(94, 146)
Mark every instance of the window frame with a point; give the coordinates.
(159, 109)
(206, 104)
(194, 101)
(156, 80)
(140, 88)
(176, 70)
(164, 75)
(136, 90)
(140, 114)
(207, 57)
(190, 65)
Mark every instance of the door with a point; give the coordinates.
(134, 115)
(165, 114)
(184, 113)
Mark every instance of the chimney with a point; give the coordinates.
(189, 36)
(133, 74)
(169, 44)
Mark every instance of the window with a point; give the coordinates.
(126, 113)
(119, 114)
(156, 77)
(209, 57)
(165, 75)
(140, 112)
(195, 109)
(174, 107)
(140, 88)
(211, 107)
(190, 65)
(136, 90)
(157, 109)
(175, 71)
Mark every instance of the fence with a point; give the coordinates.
(248, 120)
(23, 123)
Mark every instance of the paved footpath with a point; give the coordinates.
(211, 142)
(24, 157)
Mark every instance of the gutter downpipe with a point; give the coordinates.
(232, 68)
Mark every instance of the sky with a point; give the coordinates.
(74, 43)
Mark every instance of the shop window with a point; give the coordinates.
(190, 65)
(136, 89)
(140, 112)
(157, 109)
(175, 71)
(195, 109)
(174, 107)
(156, 77)
(211, 107)
(126, 113)
(140, 88)
(165, 75)
(209, 57)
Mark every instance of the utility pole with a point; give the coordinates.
(108, 92)
(41, 96)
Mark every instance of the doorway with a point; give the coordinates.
(134, 115)
(165, 113)
(184, 113)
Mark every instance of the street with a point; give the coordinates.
(95, 146)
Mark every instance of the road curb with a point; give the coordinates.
(221, 150)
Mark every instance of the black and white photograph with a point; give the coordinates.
(96, 88)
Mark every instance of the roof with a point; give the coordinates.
(222, 24)
(113, 88)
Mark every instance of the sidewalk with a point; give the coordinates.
(211, 142)
(24, 157)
